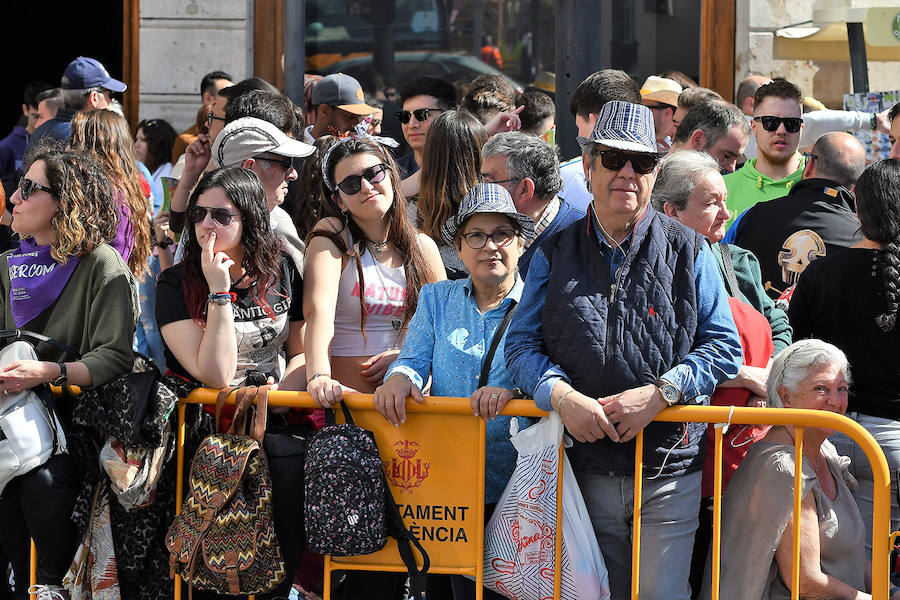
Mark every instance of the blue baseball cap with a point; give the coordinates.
(84, 73)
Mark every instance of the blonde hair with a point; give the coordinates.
(105, 134)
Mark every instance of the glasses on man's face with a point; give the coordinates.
(210, 117)
(221, 216)
(27, 186)
(353, 183)
(281, 161)
(486, 179)
(477, 240)
(421, 114)
(791, 124)
(641, 162)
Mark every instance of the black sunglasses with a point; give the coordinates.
(353, 183)
(421, 114)
(210, 117)
(476, 240)
(641, 162)
(284, 163)
(221, 216)
(791, 124)
(27, 186)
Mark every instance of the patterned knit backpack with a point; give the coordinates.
(224, 539)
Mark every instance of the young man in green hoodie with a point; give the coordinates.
(777, 123)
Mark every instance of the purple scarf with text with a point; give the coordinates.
(35, 280)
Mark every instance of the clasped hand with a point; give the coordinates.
(619, 417)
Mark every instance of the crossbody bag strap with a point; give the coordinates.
(405, 541)
(329, 415)
(20, 333)
(498, 335)
(730, 277)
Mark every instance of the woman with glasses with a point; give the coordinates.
(364, 269)
(234, 301)
(106, 135)
(852, 299)
(757, 514)
(451, 166)
(65, 282)
(231, 314)
(455, 325)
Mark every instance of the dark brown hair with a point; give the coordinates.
(400, 231)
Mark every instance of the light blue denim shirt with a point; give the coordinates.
(448, 338)
(716, 356)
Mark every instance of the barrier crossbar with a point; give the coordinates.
(882, 538)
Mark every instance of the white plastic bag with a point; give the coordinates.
(519, 540)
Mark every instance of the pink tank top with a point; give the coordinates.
(385, 300)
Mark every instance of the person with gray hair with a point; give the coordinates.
(690, 189)
(758, 504)
(717, 128)
(528, 169)
(815, 219)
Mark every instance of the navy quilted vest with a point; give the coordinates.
(612, 334)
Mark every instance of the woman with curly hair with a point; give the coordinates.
(65, 282)
(451, 165)
(851, 300)
(106, 134)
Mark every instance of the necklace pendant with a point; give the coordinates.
(379, 247)
(396, 323)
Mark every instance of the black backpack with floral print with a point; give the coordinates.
(349, 507)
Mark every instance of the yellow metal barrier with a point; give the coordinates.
(470, 551)
(881, 536)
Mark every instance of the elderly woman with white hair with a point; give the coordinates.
(757, 518)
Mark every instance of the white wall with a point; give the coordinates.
(756, 23)
(183, 40)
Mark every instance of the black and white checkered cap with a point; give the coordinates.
(486, 198)
(623, 126)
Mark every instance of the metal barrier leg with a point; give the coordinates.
(798, 498)
(32, 567)
(636, 532)
(717, 513)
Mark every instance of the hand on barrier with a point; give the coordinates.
(584, 418)
(488, 401)
(375, 368)
(326, 391)
(390, 398)
(633, 409)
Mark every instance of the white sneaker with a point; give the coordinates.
(49, 592)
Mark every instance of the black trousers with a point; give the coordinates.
(38, 505)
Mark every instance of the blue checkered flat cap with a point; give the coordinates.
(486, 198)
(623, 126)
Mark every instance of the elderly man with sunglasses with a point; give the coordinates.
(776, 126)
(623, 314)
